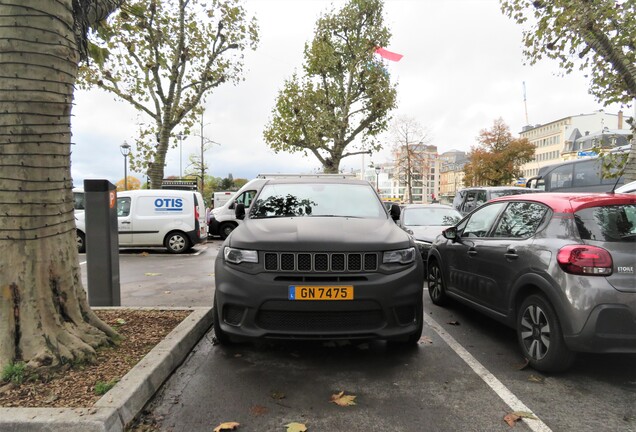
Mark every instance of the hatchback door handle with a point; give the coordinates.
(511, 254)
(124, 222)
(472, 251)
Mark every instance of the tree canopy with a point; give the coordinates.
(163, 57)
(497, 159)
(344, 92)
(597, 35)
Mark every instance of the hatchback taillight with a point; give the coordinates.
(585, 260)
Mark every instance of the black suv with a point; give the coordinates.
(468, 199)
(318, 258)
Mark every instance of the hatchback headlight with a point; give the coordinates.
(237, 256)
(402, 256)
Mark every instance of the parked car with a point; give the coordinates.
(468, 199)
(556, 267)
(627, 188)
(425, 222)
(318, 258)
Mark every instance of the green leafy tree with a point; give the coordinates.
(497, 159)
(345, 93)
(45, 319)
(598, 36)
(163, 57)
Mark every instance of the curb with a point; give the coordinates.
(126, 399)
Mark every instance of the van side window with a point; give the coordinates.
(123, 206)
(246, 198)
(561, 177)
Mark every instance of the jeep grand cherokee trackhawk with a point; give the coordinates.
(318, 258)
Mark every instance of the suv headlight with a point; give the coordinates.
(237, 256)
(402, 256)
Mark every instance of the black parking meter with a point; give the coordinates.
(102, 243)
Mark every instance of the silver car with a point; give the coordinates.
(559, 268)
(426, 221)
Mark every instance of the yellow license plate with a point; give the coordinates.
(304, 292)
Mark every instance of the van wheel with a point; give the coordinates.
(225, 229)
(81, 241)
(177, 242)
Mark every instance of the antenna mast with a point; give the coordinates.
(525, 104)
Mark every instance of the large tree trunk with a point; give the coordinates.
(45, 319)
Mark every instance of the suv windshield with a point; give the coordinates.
(317, 199)
(609, 223)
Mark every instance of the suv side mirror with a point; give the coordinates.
(239, 211)
(395, 212)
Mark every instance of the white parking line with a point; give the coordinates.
(502, 391)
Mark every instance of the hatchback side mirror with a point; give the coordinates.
(450, 233)
(239, 211)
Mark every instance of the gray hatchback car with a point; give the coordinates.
(318, 257)
(558, 268)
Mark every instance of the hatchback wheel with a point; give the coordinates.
(177, 242)
(540, 336)
(436, 289)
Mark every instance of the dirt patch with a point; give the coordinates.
(75, 387)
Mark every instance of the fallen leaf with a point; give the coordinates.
(296, 427)
(166, 292)
(258, 410)
(278, 395)
(226, 426)
(536, 379)
(120, 321)
(454, 323)
(514, 417)
(425, 340)
(144, 254)
(152, 274)
(342, 399)
(525, 414)
(511, 419)
(523, 365)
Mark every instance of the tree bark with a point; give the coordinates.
(45, 319)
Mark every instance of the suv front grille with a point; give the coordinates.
(321, 262)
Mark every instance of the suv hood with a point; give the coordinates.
(319, 234)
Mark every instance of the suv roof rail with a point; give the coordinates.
(343, 175)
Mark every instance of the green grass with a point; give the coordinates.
(102, 387)
(15, 373)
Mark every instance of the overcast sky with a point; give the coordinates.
(462, 69)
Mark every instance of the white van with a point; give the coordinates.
(223, 220)
(174, 219)
(220, 198)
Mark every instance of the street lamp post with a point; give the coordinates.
(125, 151)
(180, 136)
(377, 178)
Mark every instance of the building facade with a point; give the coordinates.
(565, 138)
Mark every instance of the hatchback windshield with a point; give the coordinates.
(320, 199)
(615, 223)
